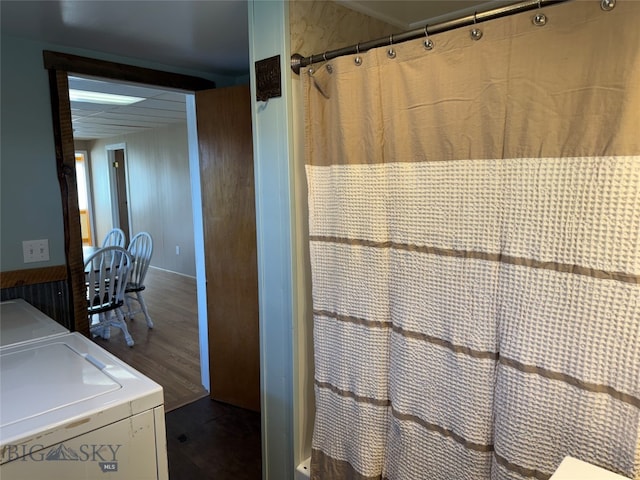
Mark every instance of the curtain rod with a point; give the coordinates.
(298, 61)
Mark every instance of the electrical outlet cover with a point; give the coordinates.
(35, 250)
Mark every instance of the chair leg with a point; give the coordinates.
(144, 309)
(106, 326)
(123, 311)
(127, 301)
(122, 324)
(96, 326)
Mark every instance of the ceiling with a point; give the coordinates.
(196, 35)
(209, 36)
(91, 121)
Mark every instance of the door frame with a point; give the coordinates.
(59, 65)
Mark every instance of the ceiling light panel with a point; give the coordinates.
(102, 98)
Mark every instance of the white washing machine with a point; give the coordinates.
(71, 410)
(21, 322)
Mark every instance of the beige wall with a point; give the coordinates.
(315, 26)
(159, 189)
(318, 26)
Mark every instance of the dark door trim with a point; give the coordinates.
(101, 68)
(59, 65)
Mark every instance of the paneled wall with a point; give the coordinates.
(158, 184)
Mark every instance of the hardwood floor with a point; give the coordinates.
(169, 353)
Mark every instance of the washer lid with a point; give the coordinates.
(41, 379)
(22, 322)
(66, 385)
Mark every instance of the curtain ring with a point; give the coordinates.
(539, 19)
(476, 33)
(428, 43)
(391, 53)
(607, 5)
(358, 59)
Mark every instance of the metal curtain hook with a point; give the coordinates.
(391, 53)
(476, 33)
(539, 19)
(607, 5)
(358, 59)
(428, 43)
(324, 56)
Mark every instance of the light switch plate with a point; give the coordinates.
(35, 250)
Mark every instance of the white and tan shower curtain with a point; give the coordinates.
(475, 251)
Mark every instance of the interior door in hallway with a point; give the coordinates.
(228, 206)
(116, 156)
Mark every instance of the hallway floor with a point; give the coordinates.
(212, 440)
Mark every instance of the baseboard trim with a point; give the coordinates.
(171, 271)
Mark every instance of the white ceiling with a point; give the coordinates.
(205, 35)
(91, 121)
(202, 35)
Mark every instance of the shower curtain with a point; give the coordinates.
(474, 216)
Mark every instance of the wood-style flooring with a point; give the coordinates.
(212, 440)
(169, 353)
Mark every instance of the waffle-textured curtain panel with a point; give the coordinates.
(475, 250)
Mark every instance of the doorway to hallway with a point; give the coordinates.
(118, 180)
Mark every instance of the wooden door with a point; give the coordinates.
(122, 204)
(228, 207)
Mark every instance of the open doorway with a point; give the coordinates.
(233, 296)
(141, 183)
(116, 155)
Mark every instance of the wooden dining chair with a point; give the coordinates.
(140, 248)
(106, 274)
(115, 237)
